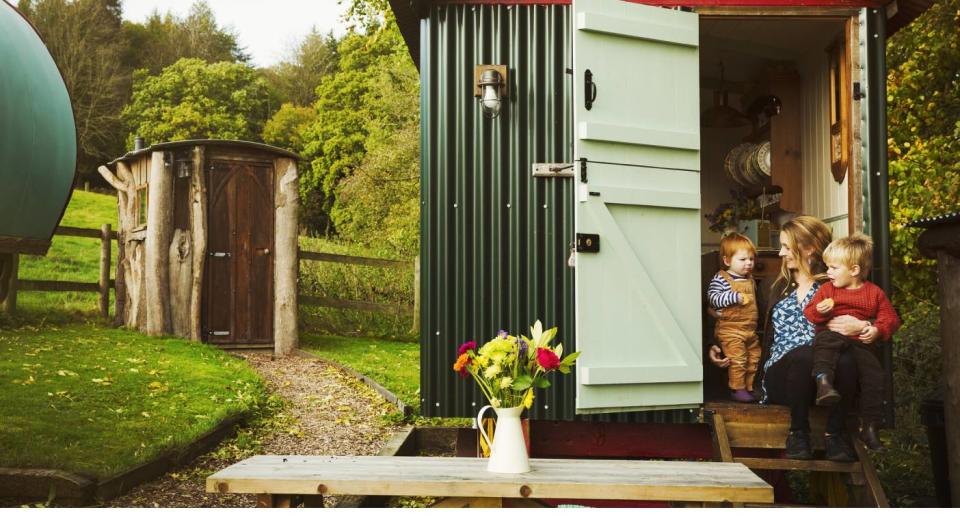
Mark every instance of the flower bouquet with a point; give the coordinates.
(508, 369)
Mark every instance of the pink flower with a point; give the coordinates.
(470, 345)
(547, 359)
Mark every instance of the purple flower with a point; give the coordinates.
(523, 349)
(502, 334)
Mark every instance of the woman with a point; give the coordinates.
(787, 337)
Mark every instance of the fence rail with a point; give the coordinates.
(368, 306)
(101, 287)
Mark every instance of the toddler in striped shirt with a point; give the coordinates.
(733, 294)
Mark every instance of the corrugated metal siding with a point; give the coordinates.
(495, 240)
(822, 195)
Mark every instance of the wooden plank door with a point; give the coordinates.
(637, 216)
(239, 269)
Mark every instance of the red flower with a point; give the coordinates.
(470, 345)
(547, 359)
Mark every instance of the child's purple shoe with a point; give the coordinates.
(742, 396)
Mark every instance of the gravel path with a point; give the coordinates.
(328, 412)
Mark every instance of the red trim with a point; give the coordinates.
(577, 439)
(691, 3)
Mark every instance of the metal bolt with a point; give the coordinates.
(508, 205)
(454, 206)
(544, 206)
(438, 404)
(546, 407)
(875, 35)
(438, 333)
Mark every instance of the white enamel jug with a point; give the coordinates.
(508, 452)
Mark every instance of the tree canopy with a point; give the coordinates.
(195, 99)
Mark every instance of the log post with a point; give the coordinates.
(157, 245)
(10, 302)
(198, 223)
(285, 264)
(941, 241)
(416, 296)
(104, 282)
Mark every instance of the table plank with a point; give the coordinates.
(468, 477)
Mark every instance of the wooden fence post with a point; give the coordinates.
(10, 304)
(416, 296)
(105, 270)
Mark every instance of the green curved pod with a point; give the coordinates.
(38, 138)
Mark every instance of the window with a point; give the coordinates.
(840, 98)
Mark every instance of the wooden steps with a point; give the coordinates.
(738, 426)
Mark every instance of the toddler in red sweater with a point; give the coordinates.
(848, 293)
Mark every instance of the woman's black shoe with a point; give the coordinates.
(837, 448)
(798, 445)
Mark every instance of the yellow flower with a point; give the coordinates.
(491, 371)
(528, 398)
(506, 382)
(494, 402)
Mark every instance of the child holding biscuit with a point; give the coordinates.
(848, 293)
(732, 293)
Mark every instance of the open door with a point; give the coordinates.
(637, 141)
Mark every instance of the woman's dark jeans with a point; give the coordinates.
(788, 382)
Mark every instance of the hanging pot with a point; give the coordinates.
(508, 451)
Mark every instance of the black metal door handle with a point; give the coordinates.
(589, 90)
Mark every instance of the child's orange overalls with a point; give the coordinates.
(737, 333)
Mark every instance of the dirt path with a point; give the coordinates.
(328, 412)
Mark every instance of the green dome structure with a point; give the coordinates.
(38, 138)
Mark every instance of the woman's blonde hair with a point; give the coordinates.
(806, 233)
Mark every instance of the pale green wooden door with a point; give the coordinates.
(638, 296)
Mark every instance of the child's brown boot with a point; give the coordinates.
(826, 394)
(870, 436)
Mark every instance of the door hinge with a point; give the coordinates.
(588, 242)
(218, 333)
(219, 254)
(583, 170)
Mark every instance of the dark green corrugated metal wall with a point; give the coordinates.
(495, 240)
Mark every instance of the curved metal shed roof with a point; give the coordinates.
(190, 143)
(38, 148)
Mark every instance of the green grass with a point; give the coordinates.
(70, 259)
(393, 364)
(97, 401)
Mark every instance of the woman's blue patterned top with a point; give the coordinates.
(790, 329)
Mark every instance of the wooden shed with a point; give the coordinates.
(207, 240)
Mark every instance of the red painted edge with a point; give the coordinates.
(580, 439)
(690, 3)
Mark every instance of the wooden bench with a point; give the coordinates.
(283, 481)
(752, 426)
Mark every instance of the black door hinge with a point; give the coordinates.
(583, 170)
(588, 242)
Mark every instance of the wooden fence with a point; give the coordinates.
(388, 308)
(101, 287)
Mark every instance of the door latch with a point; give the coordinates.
(219, 254)
(588, 242)
(218, 333)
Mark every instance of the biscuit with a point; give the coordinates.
(827, 302)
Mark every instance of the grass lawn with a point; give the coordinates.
(70, 259)
(95, 400)
(393, 364)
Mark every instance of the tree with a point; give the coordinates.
(85, 40)
(295, 80)
(923, 111)
(164, 39)
(194, 99)
(287, 126)
(335, 143)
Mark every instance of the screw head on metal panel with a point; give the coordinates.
(508, 205)
(454, 206)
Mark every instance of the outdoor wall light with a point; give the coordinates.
(490, 83)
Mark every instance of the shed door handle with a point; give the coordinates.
(263, 251)
(590, 90)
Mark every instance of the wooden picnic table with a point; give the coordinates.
(279, 478)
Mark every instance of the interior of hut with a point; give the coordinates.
(774, 142)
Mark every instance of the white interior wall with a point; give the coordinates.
(822, 195)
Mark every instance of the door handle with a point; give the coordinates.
(263, 251)
(589, 90)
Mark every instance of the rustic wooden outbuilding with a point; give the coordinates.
(207, 238)
(941, 241)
